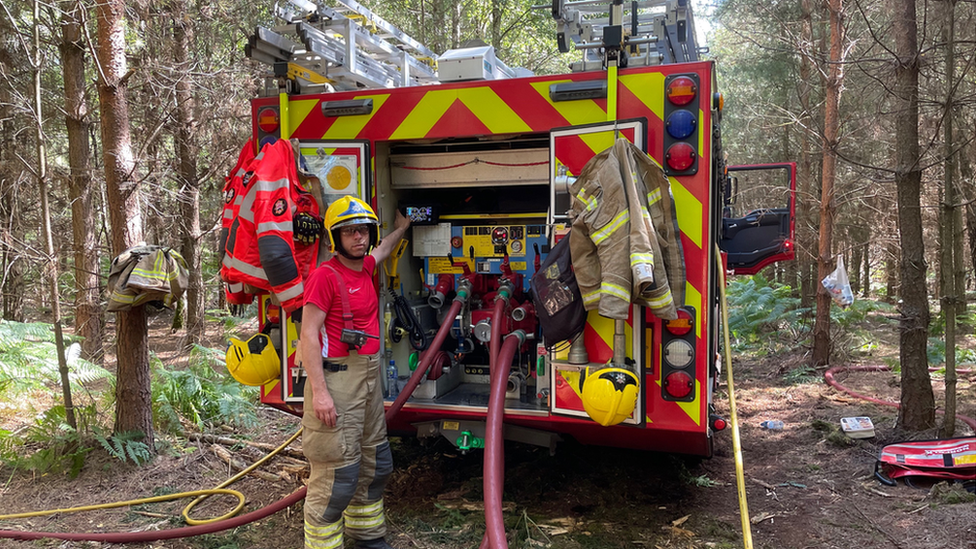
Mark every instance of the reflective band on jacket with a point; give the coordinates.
(610, 228)
(291, 293)
(608, 288)
(653, 196)
(260, 185)
(660, 302)
(591, 297)
(639, 258)
(589, 201)
(283, 226)
(240, 266)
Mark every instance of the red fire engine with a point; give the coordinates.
(481, 157)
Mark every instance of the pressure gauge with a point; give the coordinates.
(516, 246)
(499, 236)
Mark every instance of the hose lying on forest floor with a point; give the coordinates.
(829, 378)
(200, 527)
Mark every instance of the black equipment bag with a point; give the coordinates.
(556, 296)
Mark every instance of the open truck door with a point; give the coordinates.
(758, 216)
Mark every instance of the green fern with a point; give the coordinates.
(29, 360)
(48, 445)
(758, 307)
(201, 395)
(126, 446)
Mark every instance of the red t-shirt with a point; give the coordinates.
(321, 290)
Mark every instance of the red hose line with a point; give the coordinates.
(494, 475)
(147, 536)
(425, 361)
(829, 377)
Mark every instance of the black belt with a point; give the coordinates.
(335, 367)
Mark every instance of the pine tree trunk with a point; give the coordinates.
(88, 314)
(835, 78)
(133, 409)
(917, 410)
(186, 151)
(804, 197)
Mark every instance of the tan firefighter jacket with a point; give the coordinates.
(146, 273)
(625, 242)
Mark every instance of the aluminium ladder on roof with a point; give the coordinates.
(343, 48)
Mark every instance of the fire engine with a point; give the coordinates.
(482, 156)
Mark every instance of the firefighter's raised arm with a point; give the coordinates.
(386, 246)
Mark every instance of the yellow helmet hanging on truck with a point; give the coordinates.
(253, 362)
(610, 395)
(345, 212)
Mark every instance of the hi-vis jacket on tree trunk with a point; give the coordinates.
(146, 273)
(624, 241)
(263, 249)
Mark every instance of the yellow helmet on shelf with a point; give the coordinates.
(253, 362)
(347, 211)
(610, 395)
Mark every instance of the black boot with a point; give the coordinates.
(378, 543)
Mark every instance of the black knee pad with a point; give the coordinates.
(384, 467)
(343, 489)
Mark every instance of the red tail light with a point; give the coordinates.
(678, 384)
(680, 156)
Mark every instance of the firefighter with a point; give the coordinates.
(344, 436)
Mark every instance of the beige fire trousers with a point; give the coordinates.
(351, 461)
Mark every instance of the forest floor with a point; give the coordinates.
(807, 486)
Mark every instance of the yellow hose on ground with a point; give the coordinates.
(201, 495)
(740, 481)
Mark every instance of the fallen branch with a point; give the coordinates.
(239, 465)
(227, 441)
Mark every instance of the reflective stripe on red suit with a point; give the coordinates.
(260, 249)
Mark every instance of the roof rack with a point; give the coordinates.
(647, 32)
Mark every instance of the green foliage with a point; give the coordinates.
(49, 445)
(200, 394)
(858, 312)
(29, 359)
(936, 352)
(126, 446)
(757, 308)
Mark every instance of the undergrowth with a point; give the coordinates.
(759, 308)
(200, 397)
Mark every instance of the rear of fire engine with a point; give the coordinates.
(482, 158)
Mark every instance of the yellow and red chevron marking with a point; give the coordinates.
(524, 106)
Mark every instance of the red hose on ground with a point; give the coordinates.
(494, 474)
(144, 537)
(829, 377)
(425, 361)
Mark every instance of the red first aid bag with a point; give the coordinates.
(951, 459)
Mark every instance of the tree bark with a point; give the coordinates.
(51, 261)
(917, 411)
(133, 410)
(88, 314)
(835, 79)
(805, 170)
(951, 220)
(186, 151)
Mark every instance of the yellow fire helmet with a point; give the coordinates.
(347, 211)
(610, 395)
(253, 362)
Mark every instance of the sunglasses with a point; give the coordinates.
(362, 230)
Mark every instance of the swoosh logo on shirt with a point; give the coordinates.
(353, 290)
